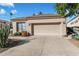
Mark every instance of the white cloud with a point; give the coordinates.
(2, 11)
(7, 4)
(13, 11)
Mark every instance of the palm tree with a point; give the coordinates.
(67, 9)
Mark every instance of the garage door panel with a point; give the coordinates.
(52, 29)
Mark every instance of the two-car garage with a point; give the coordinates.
(47, 29)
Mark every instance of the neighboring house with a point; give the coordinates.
(46, 24)
(3, 23)
(74, 24)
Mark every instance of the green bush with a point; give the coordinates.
(4, 33)
(17, 34)
(75, 37)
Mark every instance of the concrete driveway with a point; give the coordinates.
(44, 46)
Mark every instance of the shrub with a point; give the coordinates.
(4, 33)
(17, 34)
(75, 36)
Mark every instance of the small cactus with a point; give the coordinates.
(4, 33)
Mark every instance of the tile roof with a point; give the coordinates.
(43, 16)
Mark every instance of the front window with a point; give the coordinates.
(21, 26)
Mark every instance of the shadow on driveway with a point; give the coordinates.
(12, 43)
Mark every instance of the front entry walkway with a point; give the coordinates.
(44, 46)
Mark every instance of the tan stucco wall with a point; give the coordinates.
(14, 27)
(28, 28)
(63, 30)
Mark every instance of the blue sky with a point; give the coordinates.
(25, 9)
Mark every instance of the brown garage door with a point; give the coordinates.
(47, 29)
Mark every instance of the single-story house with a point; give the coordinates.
(45, 24)
(74, 24)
